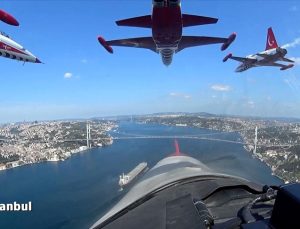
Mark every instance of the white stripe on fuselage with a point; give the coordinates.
(9, 44)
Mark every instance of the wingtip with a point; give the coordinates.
(103, 42)
(8, 18)
(287, 67)
(229, 41)
(227, 57)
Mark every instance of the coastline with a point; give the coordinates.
(246, 138)
(52, 141)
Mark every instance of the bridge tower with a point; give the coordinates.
(255, 141)
(88, 135)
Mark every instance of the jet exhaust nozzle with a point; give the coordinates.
(230, 39)
(103, 42)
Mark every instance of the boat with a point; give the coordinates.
(127, 178)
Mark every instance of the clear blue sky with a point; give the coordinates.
(63, 34)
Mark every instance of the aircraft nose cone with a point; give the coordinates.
(38, 61)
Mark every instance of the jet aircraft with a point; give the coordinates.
(11, 49)
(166, 23)
(182, 192)
(269, 57)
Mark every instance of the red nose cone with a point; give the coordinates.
(7, 18)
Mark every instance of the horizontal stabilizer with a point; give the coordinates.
(192, 20)
(143, 22)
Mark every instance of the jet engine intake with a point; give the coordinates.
(282, 51)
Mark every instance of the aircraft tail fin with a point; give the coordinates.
(192, 20)
(143, 22)
(271, 41)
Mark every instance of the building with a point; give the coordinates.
(2, 167)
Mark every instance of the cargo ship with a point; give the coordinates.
(127, 178)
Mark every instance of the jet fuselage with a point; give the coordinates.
(269, 57)
(265, 58)
(166, 28)
(13, 50)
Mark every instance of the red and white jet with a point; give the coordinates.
(268, 57)
(166, 23)
(11, 49)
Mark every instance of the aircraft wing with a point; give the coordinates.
(287, 60)
(140, 42)
(282, 58)
(282, 66)
(191, 41)
(276, 65)
(241, 59)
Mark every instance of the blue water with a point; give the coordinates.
(76, 192)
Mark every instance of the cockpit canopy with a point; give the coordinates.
(4, 34)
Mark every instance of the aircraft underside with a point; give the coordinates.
(166, 23)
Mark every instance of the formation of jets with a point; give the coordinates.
(166, 23)
(11, 49)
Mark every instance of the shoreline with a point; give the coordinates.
(248, 146)
(52, 141)
(54, 158)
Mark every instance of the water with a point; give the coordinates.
(76, 192)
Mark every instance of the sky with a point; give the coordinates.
(79, 79)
